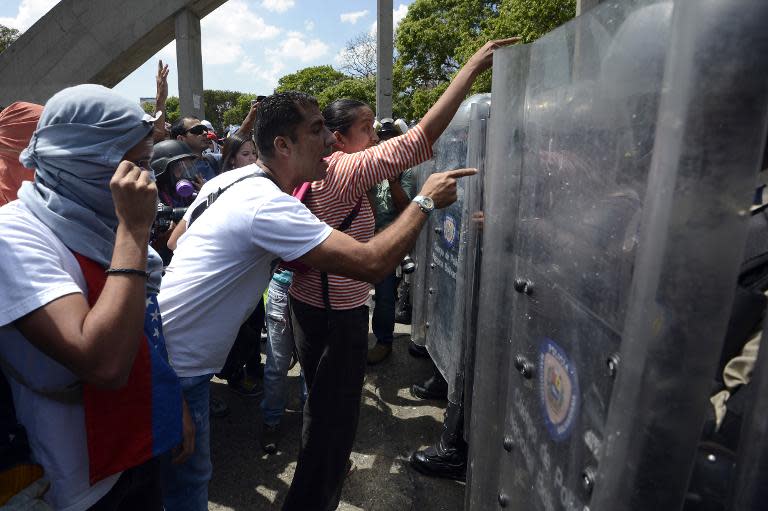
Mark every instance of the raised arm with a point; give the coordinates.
(158, 134)
(99, 344)
(437, 118)
(341, 254)
(246, 127)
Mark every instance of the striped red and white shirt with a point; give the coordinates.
(332, 199)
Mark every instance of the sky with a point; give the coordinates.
(247, 44)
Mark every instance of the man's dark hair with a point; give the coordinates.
(178, 127)
(341, 114)
(278, 116)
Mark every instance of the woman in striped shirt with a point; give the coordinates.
(331, 324)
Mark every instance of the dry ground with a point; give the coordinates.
(392, 424)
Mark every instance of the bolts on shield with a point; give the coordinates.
(508, 443)
(438, 230)
(432, 265)
(613, 365)
(588, 480)
(431, 291)
(503, 500)
(426, 324)
(524, 366)
(524, 286)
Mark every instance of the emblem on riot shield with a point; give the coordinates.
(558, 390)
(450, 231)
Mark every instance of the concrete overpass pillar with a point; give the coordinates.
(384, 58)
(190, 62)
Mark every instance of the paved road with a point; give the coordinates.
(392, 424)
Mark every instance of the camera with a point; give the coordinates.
(407, 265)
(165, 216)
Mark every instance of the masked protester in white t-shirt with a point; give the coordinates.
(75, 340)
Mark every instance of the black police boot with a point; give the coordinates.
(417, 350)
(434, 388)
(448, 457)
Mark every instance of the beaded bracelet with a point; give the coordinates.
(126, 271)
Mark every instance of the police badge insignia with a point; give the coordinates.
(558, 390)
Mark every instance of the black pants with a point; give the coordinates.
(332, 351)
(246, 350)
(137, 488)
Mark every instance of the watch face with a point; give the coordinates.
(428, 203)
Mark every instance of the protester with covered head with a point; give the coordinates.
(80, 332)
(17, 122)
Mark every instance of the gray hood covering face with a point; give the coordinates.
(83, 134)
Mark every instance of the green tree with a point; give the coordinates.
(361, 89)
(216, 102)
(7, 36)
(527, 19)
(311, 80)
(172, 109)
(428, 36)
(237, 113)
(437, 36)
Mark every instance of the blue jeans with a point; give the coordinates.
(383, 322)
(185, 487)
(279, 350)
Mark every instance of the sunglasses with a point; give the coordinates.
(196, 130)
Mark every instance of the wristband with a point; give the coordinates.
(126, 271)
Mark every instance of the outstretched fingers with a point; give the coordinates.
(457, 173)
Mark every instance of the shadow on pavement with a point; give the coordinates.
(392, 425)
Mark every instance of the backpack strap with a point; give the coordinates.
(215, 195)
(343, 226)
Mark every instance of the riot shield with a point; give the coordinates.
(469, 277)
(618, 177)
(418, 278)
(448, 296)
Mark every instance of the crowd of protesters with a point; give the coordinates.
(116, 312)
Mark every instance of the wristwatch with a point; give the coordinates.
(426, 204)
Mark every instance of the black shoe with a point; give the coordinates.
(269, 437)
(436, 461)
(403, 318)
(218, 408)
(434, 388)
(246, 386)
(417, 350)
(379, 353)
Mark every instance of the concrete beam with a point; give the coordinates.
(189, 60)
(384, 37)
(583, 6)
(89, 41)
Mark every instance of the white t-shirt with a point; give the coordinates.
(36, 269)
(222, 265)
